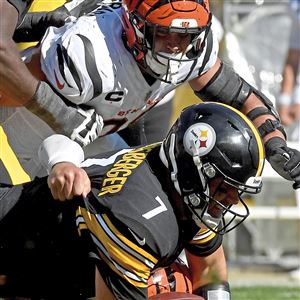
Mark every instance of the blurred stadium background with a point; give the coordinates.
(263, 253)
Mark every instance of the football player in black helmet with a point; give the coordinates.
(214, 143)
(139, 209)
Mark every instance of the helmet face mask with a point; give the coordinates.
(214, 154)
(210, 213)
(191, 19)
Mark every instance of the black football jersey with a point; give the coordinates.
(130, 222)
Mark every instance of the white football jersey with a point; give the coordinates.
(88, 63)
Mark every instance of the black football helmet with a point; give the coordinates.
(213, 140)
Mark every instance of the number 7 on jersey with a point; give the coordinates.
(155, 211)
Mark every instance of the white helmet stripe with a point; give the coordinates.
(174, 164)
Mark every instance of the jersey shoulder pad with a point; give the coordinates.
(76, 60)
(209, 56)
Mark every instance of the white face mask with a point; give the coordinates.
(164, 64)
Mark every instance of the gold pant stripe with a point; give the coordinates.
(10, 161)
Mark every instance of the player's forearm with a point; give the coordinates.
(289, 75)
(17, 85)
(59, 148)
(223, 84)
(209, 275)
(209, 269)
(254, 102)
(288, 80)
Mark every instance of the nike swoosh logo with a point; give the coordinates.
(142, 242)
(59, 85)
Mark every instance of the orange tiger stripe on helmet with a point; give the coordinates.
(165, 14)
(155, 10)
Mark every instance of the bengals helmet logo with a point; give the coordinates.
(185, 24)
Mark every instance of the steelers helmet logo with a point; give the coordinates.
(200, 137)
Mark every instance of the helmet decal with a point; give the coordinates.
(202, 136)
(184, 23)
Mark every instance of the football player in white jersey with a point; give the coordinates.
(125, 58)
(21, 131)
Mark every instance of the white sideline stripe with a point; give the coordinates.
(273, 212)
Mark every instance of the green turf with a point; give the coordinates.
(266, 293)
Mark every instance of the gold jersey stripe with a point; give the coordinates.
(120, 273)
(203, 236)
(116, 254)
(11, 162)
(128, 242)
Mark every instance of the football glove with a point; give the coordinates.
(34, 24)
(284, 160)
(214, 291)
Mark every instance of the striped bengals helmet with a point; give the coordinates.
(147, 18)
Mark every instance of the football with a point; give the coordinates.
(175, 295)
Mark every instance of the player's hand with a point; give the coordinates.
(89, 129)
(284, 160)
(292, 166)
(35, 24)
(67, 181)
